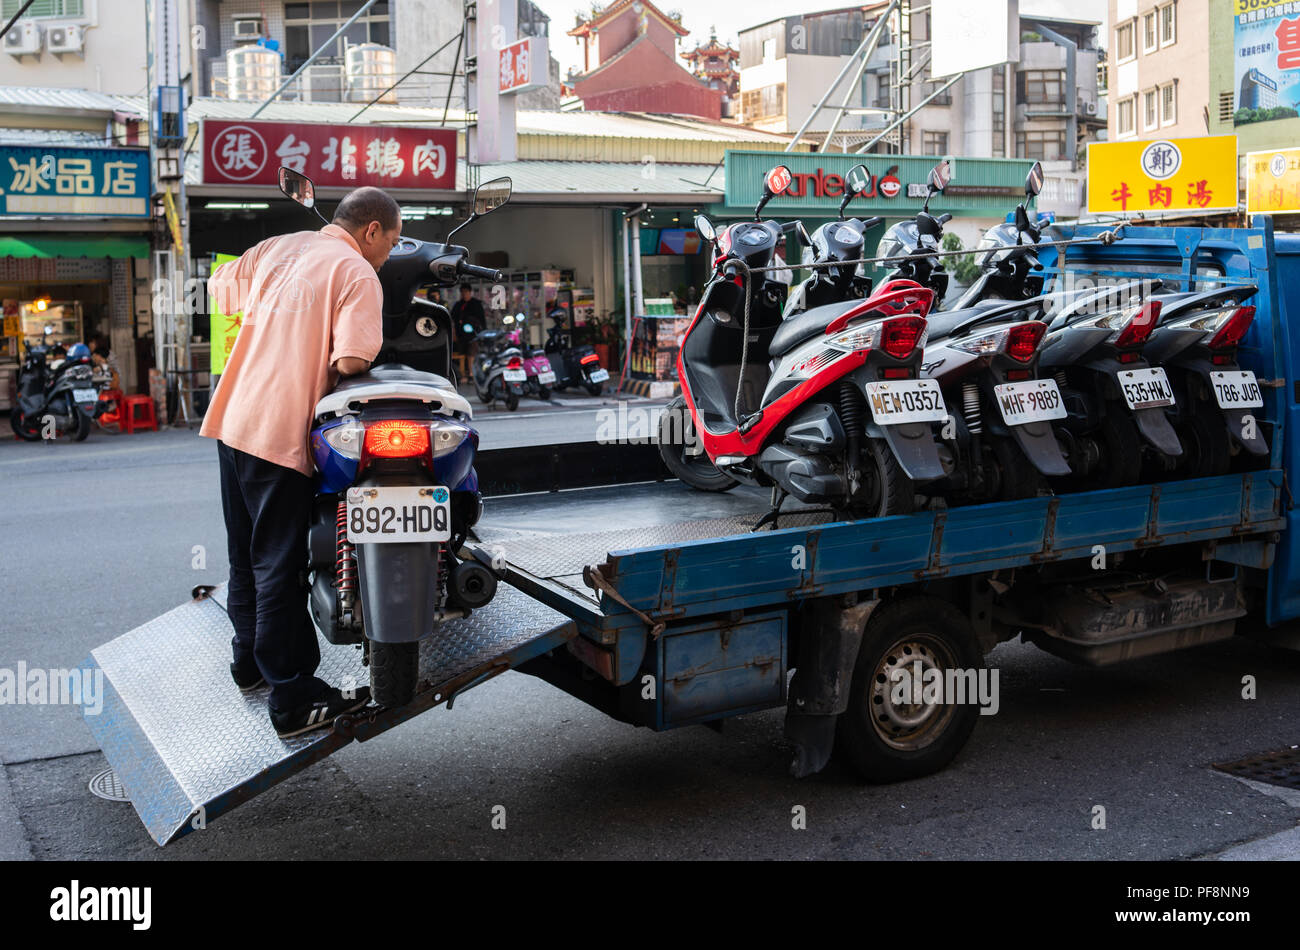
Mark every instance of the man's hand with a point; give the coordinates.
(351, 365)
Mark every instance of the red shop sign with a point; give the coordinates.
(237, 152)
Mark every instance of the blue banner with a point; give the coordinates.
(1266, 47)
(64, 182)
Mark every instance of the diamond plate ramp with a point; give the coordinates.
(187, 745)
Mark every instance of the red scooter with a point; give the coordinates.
(827, 406)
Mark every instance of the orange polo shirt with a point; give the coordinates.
(309, 299)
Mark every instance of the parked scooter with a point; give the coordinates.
(58, 400)
(834, 244)
(1000, 445)
(499, 368)
(540, 376)
(396, 489)
(573, 364)
(826, 406)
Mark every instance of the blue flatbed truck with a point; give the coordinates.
(693, 618)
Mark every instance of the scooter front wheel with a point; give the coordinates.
(22, 427)
(676, 436)
(83, 427)
(394, 672)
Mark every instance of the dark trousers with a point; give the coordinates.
(268, 508)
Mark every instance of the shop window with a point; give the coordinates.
(1124, 42)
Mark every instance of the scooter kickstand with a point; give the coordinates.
(778, 499)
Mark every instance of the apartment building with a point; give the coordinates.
(1159, 75)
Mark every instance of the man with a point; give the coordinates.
(312, 309)
(467, 310)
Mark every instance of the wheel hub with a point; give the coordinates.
(904, 710)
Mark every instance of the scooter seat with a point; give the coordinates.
(392, 381)
(393, 373)
(805, 326)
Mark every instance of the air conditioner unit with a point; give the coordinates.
(1090, 108)
(66, 38)
(23, 39)
(249, 28)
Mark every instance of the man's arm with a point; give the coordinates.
(351, 366)
(357, 329)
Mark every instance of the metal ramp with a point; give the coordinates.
(188, 746)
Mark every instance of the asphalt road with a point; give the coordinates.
(101, 536)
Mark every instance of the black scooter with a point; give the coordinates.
(55, 402)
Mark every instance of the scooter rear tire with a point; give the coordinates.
(83, 427)
(512, 401)
(594, 389)
(1207, 446)
(896, 494)
(394, 672)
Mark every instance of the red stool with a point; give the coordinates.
(145, 420)
(113, 417)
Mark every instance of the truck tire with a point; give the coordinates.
(394, 672)
(693, 470)
(1207, 446)
(883, 741)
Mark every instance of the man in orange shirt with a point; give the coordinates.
(312, 307)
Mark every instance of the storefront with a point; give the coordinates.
(74, 248)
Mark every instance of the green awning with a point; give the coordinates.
(103, 245)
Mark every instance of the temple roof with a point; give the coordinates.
(618, 6)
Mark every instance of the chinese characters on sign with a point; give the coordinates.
(1273, 182)
(225, 327)
(332, 156)
(1171, 175)
(74, 182)
(522, 65)
(1266, 60)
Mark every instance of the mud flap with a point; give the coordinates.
(1236, 422)
(1156, 429)
(189, 746)
(829, 639)
(914, 447)
(1039, 444)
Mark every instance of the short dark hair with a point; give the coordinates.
(358, 208)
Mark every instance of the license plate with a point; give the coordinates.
(90, 395)
(906, 400)
(399, 513)
(1146, 388)
(515, 376)
(547, 377)
(1034, 400)
(1237, 390)
(600, 375)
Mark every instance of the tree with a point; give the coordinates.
(963, 267)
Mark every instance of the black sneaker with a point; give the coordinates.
(247, 677)
(319, 713)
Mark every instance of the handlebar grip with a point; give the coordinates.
(730, 270)
(945, 218)
(486, 273)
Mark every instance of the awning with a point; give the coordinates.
(106, 245)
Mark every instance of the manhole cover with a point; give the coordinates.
(106, 785)
(1281, 767)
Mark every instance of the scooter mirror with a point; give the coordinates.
(298, 187)
(1034, 180)
(492, 195)
(705, 227)
(856, 183)
(804, 236)
(940, 175)
(776, 181)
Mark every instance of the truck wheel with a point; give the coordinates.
(1207, 446)
(675, 432)
(883, 735)
(885, 488)
(394, 672)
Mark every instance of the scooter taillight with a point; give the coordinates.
(1139, 326)
(1229, 335)
(1023, 340)
(589, 358)
(514, 363)
(397, 439)
(899, 336)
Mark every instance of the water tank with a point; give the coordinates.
(371, 68)
(252, 72)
